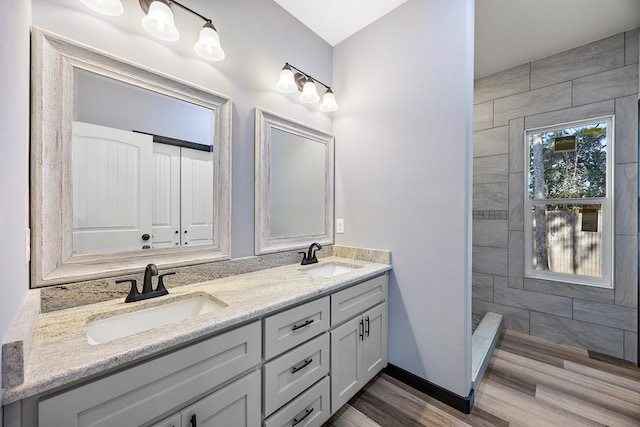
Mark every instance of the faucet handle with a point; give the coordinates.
(160, 289)
(133, 292)
(304, 257)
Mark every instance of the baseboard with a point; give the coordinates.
(462, 404)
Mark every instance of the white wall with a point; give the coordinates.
(15, 17)
(403, 155)
(258, 37)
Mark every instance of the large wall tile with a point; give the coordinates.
(534, 301)
(590, 293)
(493, 233)
(510, 82)
(536, 101)
(627, 129)
(599, 87)
(490, 260)
(483, 116)
(586, 335)
(514, 318)
(516, 201)
(596, 57)
(606, 315)
(516, 259)
(490, 169)
(491, 142)
(626, 199)
(516, 145)
(491, 196)
(482, 286)
(626, 271)
(631, 346)
(631, 47)
(582, 112)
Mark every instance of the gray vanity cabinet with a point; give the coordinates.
(236, 405)
(137, 395)
(359, 348)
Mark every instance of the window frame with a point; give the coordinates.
(607, 202)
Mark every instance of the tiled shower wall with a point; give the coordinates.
(597, 79)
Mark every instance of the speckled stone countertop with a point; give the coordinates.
(61, 354)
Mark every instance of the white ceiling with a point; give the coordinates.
(508, 32)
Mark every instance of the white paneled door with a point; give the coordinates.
(197, 197)
(166, 196)
(112, 189)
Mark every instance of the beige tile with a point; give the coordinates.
(536, 101)
(592, 58)
(609, 341)
(483, 116)
(602, 86)
(504, 83)
(606, 315)
(491, 142)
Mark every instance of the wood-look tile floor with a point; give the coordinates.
(529, 382)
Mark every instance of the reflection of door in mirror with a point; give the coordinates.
(182, 196)
(128, 198)
(111, 189)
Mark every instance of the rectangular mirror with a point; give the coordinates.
(294, 184)
(128, 167)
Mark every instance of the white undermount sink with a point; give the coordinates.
(330, 269)
(105, 329)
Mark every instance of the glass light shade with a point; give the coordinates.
(208, 45)
(105, 7)
(329, 101)
(309, 92)
(159, 22)
(287, 83)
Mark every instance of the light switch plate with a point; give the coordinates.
(340, 226)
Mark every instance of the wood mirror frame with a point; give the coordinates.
(53, 59)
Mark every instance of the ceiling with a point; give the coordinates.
(507, 32)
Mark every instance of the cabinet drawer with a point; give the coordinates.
(138, 394)
(310, 409)
(295, 371)
(286, 330)
(356, 299)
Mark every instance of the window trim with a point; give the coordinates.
(608, 211)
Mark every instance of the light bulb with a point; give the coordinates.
(309, 92)
(329, 101)
(105, 7)
(208, 45)
(159, 22)
(287, 83)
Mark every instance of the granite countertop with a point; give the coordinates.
(60, 353)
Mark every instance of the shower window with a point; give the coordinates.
(569, 202)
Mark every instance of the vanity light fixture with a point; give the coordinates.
(158, 21)
(105, 7)
(290, 82)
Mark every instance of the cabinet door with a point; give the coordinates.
(172, 421)
(375, 341)
(346, 362)
(236, 405)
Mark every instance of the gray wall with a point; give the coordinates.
(258, 37)
(403, 175)
(597, 79)
(15, 17)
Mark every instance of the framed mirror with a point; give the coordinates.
(294, 184)
(128, 167)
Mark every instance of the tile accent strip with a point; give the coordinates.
(491, 214)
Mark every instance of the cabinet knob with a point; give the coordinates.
(146, 236)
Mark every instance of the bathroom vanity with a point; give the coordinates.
(289, 346)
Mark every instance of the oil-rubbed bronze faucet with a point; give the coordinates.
(310, 256)
(147, 286)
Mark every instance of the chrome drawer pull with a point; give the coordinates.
(304, 325)
(303, 365)
(296, 421)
